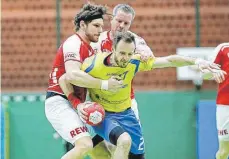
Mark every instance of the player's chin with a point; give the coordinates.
(123, 65)
(95, 39)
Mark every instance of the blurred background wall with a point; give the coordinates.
(32, 30)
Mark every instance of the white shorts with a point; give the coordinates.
(64, 119)
(134, 107)
(222, 120)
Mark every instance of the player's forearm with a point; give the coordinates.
(68, 90)
(66, 86)
(179, 61)
(82, 79)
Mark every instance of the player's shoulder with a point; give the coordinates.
(134, 34)
(137, 37)
(72, 44)
(135, 58)
(89, 60)
(221, 47)
(103, 35)
(73, 39)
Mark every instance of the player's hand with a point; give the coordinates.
(145, 58)
(115, 83)
(203, 64)
(144, 54)
(82, 114)
(219, 76)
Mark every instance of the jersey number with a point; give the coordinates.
(53, 75)
(141, 145)
(123, 76)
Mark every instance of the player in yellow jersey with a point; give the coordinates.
(120, 125)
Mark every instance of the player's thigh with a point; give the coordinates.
(64, 119)
(222, 120)
(134, 107)
(108, 124)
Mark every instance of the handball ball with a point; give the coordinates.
(95, 112)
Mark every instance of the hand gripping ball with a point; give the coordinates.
(95, 112)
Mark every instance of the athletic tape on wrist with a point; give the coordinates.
(104, 85)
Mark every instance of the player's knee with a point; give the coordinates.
(136, 156)
(115, 134)
(124, 140)
(97, 140)
(222, 154)
(84, 144)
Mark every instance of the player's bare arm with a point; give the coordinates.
(179, 61)
(82, 79)
(78, 77)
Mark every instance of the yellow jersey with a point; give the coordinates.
(120, 100)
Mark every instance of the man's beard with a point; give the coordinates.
(119, 63)
(91, 37)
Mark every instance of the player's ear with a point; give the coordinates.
(82, 25)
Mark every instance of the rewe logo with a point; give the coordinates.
(78, 130)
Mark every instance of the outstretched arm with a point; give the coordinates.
(179, 61)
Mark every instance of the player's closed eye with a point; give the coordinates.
(119, 21)
(96, 25)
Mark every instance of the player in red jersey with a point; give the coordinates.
(123, 15)
(221, 57)
(60, 110)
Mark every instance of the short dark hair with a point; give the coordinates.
(88, 13)
(125, 36)
(125, 8)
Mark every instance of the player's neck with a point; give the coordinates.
(83, 36)
(111, 35)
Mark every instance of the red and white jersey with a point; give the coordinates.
(74, 49)
(105, 45)
(222, 58)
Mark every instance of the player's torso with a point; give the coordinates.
(105, 45)
(112, 101)
(58, 68)
(223, 90)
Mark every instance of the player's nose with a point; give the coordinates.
(121, 25)
(100, 30)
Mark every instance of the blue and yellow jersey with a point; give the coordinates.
(120, 100)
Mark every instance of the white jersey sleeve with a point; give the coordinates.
(96, 46)
(213, 56)
(71, 49)
(141, 46)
